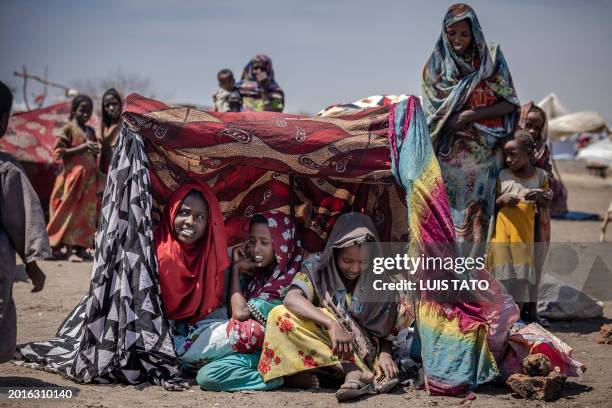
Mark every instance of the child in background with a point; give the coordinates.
(72, 210)
(112, 105)
(533, 119)
(22, 231)
(227, 98)
(522, 189)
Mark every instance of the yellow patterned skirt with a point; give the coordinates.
(293, 344)
(511, 250)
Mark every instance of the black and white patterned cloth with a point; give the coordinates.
(118, 332)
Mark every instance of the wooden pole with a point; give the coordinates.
(44, 81)
(44, 97)
(24, 88)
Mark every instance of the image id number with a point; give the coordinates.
(39, 394)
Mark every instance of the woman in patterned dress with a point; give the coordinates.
(72, 212)
(470, 104)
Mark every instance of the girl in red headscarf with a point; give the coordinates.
(191, 249)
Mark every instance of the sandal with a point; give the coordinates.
(347, 394)
(384, 385)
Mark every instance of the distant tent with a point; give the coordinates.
(553, 108)
(579, 122)
(562, 123)
(598, 152)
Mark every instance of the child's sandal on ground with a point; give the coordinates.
(384, 385)
(347, 394)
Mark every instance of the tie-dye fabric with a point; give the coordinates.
(460, 341)
(415, 167)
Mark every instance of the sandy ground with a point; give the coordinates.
(39, 315)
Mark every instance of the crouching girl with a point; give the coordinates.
(331, 318)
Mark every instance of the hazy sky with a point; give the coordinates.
(323, 51)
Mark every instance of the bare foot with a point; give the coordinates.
(75, 258)
(57, 254)
(82, 253)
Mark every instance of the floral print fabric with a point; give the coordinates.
(294, 344)
(288, 252)
(470, 158)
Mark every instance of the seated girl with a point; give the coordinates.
(261, 272)
(331, 318)
(191, 248)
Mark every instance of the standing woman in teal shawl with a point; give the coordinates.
(470, 104)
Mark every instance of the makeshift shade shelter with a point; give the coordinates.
(561, 123)
(552, 106)
(599, 152)
(579, 122)
(30, 137)
(315, 168)
(378, 161)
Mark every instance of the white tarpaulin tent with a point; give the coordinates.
(579, 122)
(552, 107)
(561, 123)
(598, 152)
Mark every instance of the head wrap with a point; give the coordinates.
(449, 80)
(191, 276)
(248, 85)
(542, 152)
(288, 253)
(374, 312)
